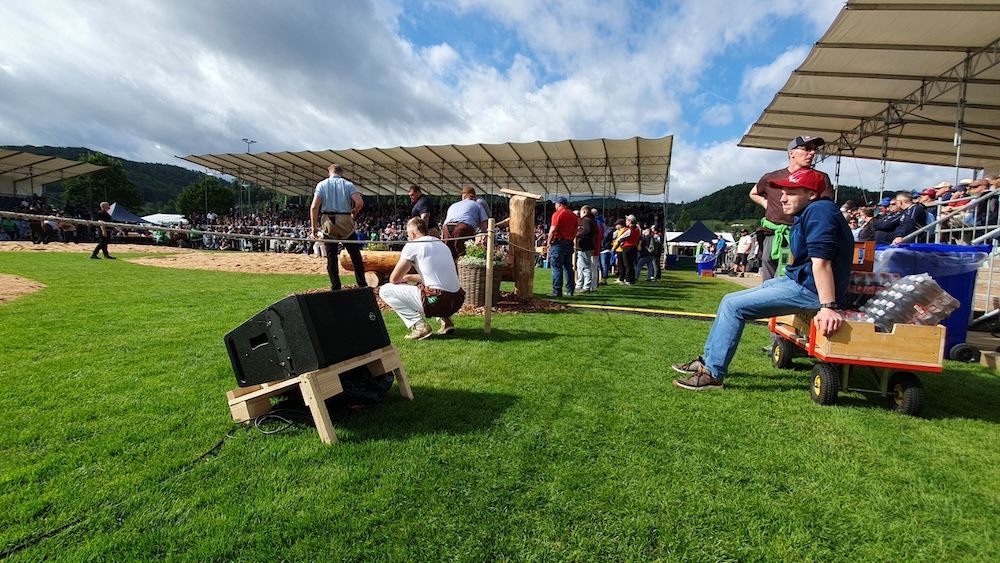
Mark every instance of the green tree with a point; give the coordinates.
(207, 194)
(683, 222)
(110, 184)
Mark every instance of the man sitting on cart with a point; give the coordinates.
(822, 248)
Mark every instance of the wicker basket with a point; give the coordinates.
(473, 281)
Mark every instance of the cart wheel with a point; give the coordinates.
(781, 353)
(906, 393)
(964, 353)
(825, 384)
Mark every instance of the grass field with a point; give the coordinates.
(556, 438)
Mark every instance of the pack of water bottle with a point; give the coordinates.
(864, 285)
(914, 299)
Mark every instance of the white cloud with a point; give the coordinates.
(760, 84)
(195, 78)
(717, 115)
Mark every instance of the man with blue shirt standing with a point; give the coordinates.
(821, 247)
(463, 219)
(336, 202)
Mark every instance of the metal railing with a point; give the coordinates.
(965, 221)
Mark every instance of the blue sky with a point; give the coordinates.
(150, 80)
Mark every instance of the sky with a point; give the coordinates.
(151, 80)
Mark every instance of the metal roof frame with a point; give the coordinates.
(905, 81)
(26, 173)
(595, 167)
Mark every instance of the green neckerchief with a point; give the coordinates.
(780, 240)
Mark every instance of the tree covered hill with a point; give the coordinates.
(733, 202)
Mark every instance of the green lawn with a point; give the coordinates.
(558, 437)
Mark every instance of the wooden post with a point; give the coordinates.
(522, 239)
(491, 235)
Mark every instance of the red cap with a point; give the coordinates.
(929, 191)
(802, 178)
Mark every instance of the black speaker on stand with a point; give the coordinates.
(306, 332)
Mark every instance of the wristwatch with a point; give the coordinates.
(828, 305)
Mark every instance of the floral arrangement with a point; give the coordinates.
(475, 253)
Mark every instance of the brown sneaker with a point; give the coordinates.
(447, 327)
(421, 330)
(691, 367)
(702, 381)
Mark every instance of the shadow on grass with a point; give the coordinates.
(504, 335)
(961, 391)
(433, 411)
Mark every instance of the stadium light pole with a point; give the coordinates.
(248, 142)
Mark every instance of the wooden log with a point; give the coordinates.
(522, 243)
(378, 264)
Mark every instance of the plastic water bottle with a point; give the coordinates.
(914, 299)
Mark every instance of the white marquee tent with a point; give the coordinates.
(24, 173)
(596, 167)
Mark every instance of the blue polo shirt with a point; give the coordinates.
(820, 231)
(466, 211)
(336, 194)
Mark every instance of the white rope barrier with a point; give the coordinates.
(203, 233)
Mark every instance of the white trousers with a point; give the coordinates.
(584, 267)
(404, 300)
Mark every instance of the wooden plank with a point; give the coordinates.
(266, 390)
(907, 344)
(314, 398)
(248, 410)
(520, 193)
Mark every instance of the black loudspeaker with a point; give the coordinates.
(306, 332)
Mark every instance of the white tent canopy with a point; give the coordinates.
(898, 80)
(24, 173)
(166, 219)
(597, 167)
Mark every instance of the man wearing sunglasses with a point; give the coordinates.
(775, 225)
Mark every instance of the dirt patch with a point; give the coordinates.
(245, 262)
(12, 287)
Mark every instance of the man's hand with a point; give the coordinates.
(828, 321)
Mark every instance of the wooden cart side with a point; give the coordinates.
(907, 347)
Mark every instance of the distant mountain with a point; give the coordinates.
(733, 202)
(158, 183)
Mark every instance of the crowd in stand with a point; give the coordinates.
(43, 232)
(895, 219)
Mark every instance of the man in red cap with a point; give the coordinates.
(821, 246)
(801, 152)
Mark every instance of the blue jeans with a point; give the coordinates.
(650, 263)
(776, 296)
(605, 264)
(561, 262)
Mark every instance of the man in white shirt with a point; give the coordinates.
(437, 277)
(742, 251)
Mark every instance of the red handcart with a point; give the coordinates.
(890, 358)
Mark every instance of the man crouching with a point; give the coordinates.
(816, 277)
(437, 293)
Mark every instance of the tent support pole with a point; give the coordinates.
(885, 153)
(960, 118)
(836, 179)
